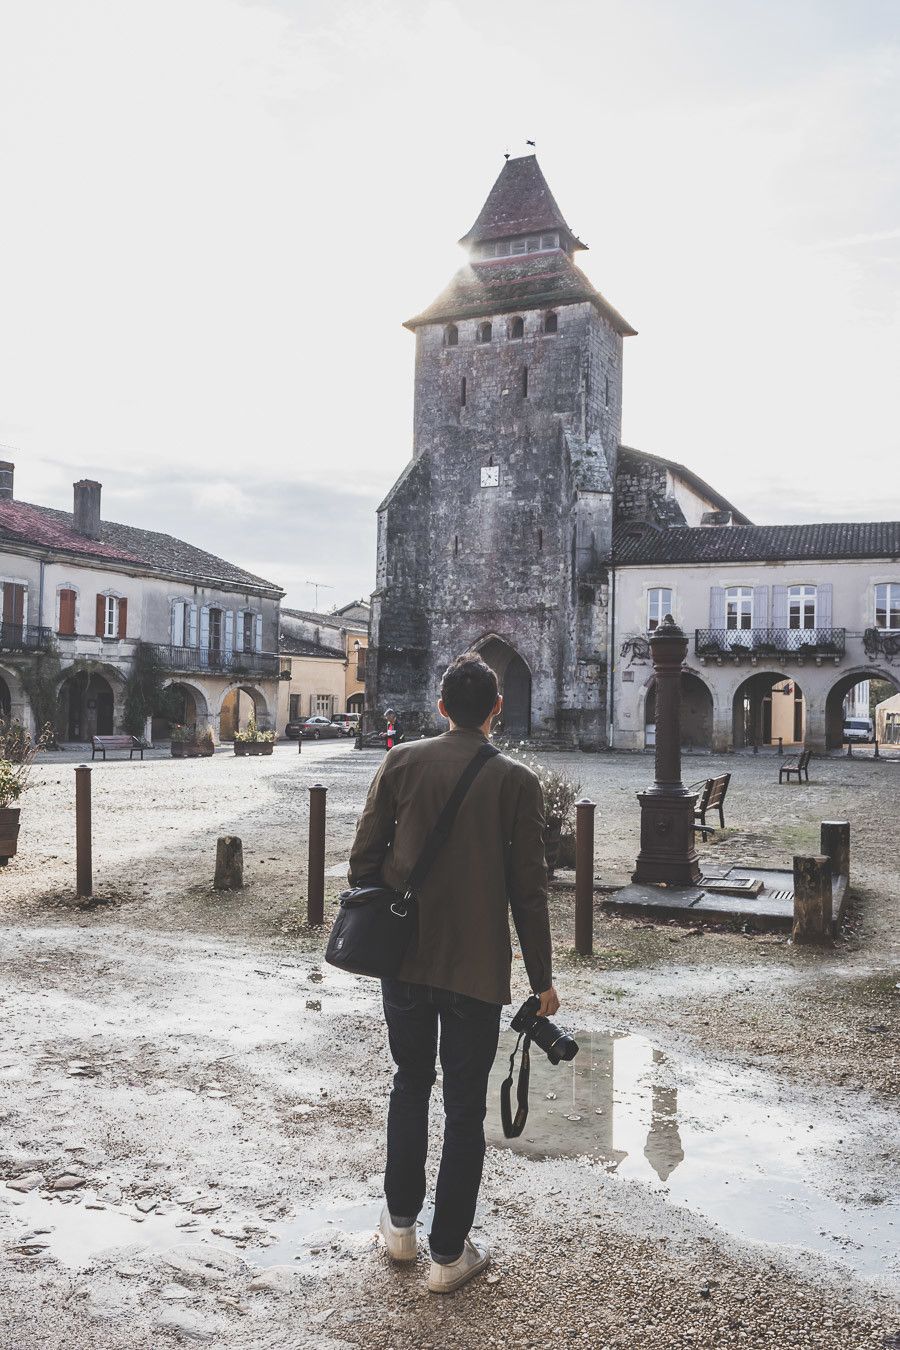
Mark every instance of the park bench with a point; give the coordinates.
(711, 798)
(104, 743)
(800, 767)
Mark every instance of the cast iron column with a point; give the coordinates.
(667, 809)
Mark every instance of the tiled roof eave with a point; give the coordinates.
(539, 300)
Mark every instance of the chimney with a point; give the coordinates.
(717, 518)
(7, 470)
(87, 508)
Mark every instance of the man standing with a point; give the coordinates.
(456, 975)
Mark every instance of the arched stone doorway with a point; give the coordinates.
(696, 713)
(514, 679)
(356, 704)
(183, 705)
(85, 707)
(889, 682)
(768, 707)
(239, 704)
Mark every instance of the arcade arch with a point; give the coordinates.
(767, 706)
(834, 700)
(696, 713)
(240, 703)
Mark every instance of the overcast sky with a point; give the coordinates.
(216, 215)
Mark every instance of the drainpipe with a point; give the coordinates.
(610, 658)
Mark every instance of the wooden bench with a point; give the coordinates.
(800, 767)
(104, 743)
(711, 798)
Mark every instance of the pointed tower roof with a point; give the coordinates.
(520, 202)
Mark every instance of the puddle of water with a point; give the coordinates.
(717, 1145)
(75, 1235)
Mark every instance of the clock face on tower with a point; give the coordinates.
(490, 476)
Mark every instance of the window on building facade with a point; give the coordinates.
(361, 664)
(516, 328)
(66, 623)
(110, 616)
(14, 601)
(739, 607)
(248, 631)
(551, 323)
(462, 392)
(887, 605)
(451, 335)
(215, 630)
(483, 332)
(294, 711)
(659, 604)
(324, 705)
(606, 392)
(802, 607)
(532, 243)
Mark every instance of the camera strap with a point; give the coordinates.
(513, 1127)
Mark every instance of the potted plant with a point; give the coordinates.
(191, 743)
(17, 752)
(252, 741)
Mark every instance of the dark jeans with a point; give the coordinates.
(469, 1033)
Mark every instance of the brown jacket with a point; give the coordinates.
(493, 861)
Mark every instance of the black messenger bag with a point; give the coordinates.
(376, 924)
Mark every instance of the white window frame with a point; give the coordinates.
(323, 705)
(110, 617)
(656, 610)
(890, 606)
(806, 599)
(742, 599)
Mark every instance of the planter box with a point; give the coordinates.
(191, 750)
(9, 833)
(254, 747)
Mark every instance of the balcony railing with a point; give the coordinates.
(217, 661)
(755, 643)
(881, 642)
(18, 637)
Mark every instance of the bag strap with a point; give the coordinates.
(444, 823)
(512, 1128)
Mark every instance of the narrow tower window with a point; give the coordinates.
(455, 545)
(462, 392)
(516, 328)
(451, 335)
(607, 391)
(524, 381)
(550, 322)
(541, 540)
(483, 333)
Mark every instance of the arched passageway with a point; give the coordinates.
(768, 707)
(356, 704)
(696, 713)
(182, 705)
(238, 706)
(855, 698)
(85, 707)
(514, 679)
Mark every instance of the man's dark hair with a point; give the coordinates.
(469, 690)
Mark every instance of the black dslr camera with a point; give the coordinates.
(554, 1042)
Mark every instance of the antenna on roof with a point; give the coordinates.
(319, 586)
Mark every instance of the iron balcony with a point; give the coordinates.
(17, 637)
(797, 644)
(216, 661)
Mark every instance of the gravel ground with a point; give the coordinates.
(217, 1097)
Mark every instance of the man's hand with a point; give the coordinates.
(549, 1003)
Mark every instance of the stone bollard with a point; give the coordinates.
(812, 900)
(834, 842)
(584, 877)
(229, 864)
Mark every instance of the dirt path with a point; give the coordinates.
(718, 1167)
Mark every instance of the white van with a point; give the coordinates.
(859, 729)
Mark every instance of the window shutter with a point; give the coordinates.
(760, 606)
(717, 606)
(229, 632)
(101, 615)
(824, 605)
(779, 606)
(123, 618)
(67, 613)
(177, 623)
(239, 632)
(192, 625)
(204, 626)
(257, 629)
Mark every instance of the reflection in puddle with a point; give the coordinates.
(717, 1144)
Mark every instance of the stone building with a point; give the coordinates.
(79, 593)
(323, 661)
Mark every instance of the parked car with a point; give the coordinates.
(859, 729)
(348, 722)
(319, 728)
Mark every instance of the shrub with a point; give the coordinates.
(17, 752)
(560, 791)
(253, 733)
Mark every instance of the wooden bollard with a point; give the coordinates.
(834, 841)
(812, 899)
(84, 879)
(229, 863)
(315, 885)
(584, 877)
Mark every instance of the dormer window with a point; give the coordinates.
(531, 243)
(451, 335)
(550, 322)
(483, 332)
(516, 328)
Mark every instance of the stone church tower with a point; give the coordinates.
(498, 533)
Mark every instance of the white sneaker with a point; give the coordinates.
(444, 1279)
(400, 1242)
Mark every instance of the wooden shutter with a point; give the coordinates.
(101, 615)
(824, 605)
(760, 606)
(779, 606)
(13, 604)
(717, 606)
(67, 613)
(258, 633)
(123, 618)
